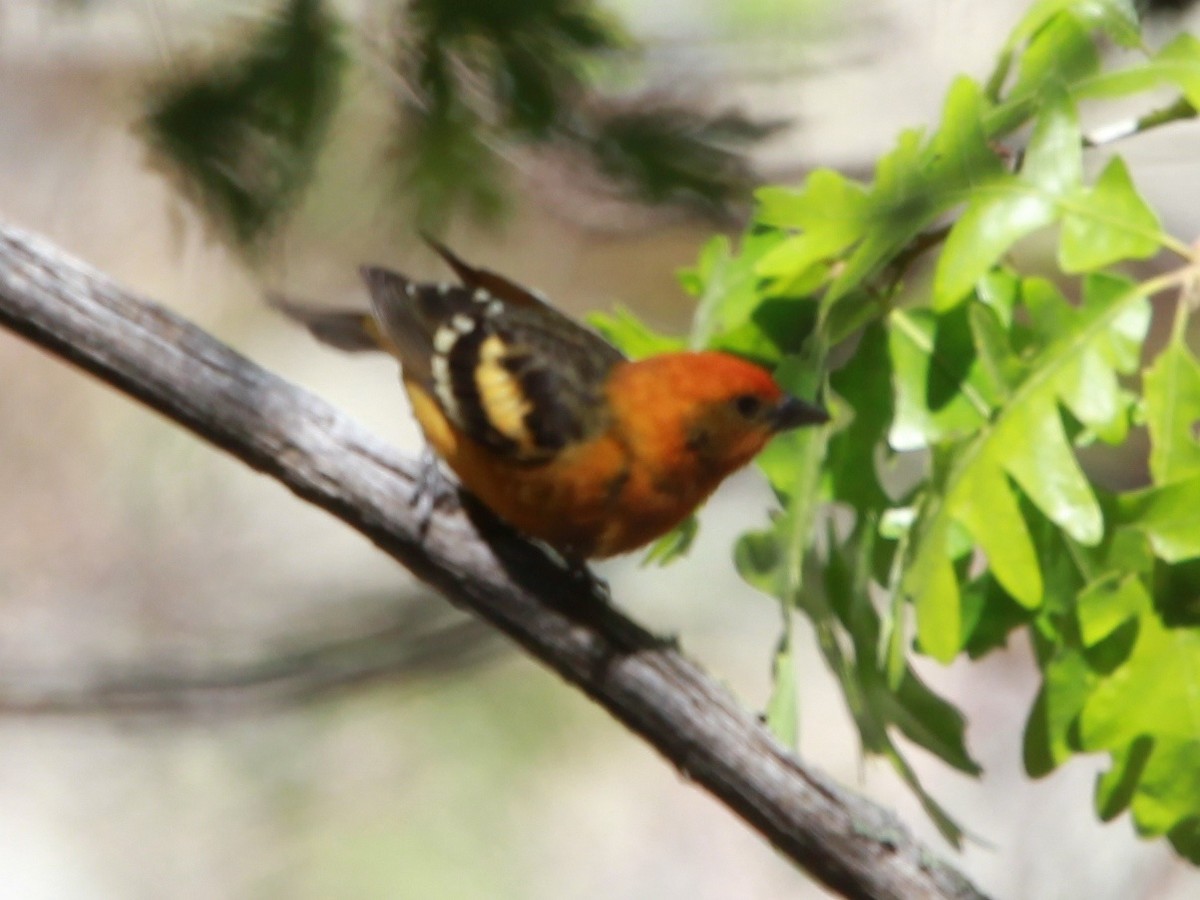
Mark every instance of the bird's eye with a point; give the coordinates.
(748, 405)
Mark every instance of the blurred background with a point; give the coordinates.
(208, 689)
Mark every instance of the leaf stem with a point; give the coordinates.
(995, 82)
(1189, 295)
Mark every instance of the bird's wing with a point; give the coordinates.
(505, 367)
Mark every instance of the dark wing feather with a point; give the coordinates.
(409, 315)
(349, 330)
(508, 369)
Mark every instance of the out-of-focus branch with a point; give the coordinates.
(421, 641)
(847, 842)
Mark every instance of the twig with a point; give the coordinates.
(419, 642)
(847, 842)
(1175, 111)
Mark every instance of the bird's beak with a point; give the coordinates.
(793, 412)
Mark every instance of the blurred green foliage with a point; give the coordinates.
(242, 134)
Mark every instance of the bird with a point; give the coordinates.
(548, 424)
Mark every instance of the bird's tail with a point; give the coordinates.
(345, 329)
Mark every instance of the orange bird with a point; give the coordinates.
(548, 424)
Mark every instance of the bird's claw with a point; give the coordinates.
(588, 581)
(428, 488)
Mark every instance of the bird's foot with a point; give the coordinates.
(588, 581)
(430, 486)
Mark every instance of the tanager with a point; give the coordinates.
(548, 424)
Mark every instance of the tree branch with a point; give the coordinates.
(847, 842)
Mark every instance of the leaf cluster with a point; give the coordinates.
(948, 505)
(241, 137)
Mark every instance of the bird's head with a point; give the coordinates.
(710, 409)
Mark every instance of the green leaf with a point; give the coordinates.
(1118, 19)
(1176, 64)
(1087, 382)
(847, 626)
(1168, 792)
(930, 722)
(1029, 443)
(674, 544)
(1050, 474)
(727, 286)
(979, 499)
(922, 179)
(999, 291)
(937, 383)
(1177, 592)
(1026, 441)
(994, 520)
(901, 203)
(1116, 787)
(846, 605)
(946, 826)
(994, 220)
(990, 615)
(758, 558)
(998, 362)
(1013, 206)
(712, 255)
(1154, 692)
(1157, 773)
(1105, 605)
(1179, 64)
(1087, 347)
(779, 329)
(963, 156)
(1133, 79)
(1107, 223)
(829, 203)
(830, 213)
(1185, 838)
(1172, 404)
(1054, 158)
(1039, 753)
(635, 338)
(1167, 516)
(1062, 52)
(929, 579)
(1068, 680)
(862, 384)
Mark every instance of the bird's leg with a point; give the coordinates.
(512, 548)
(589, 581)
(429, 486)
